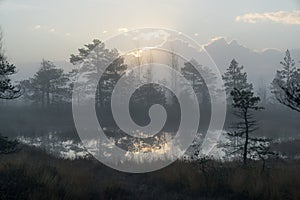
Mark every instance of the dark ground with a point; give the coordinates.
(33, 174)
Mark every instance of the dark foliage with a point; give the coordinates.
(7, 89)
(286, 84)
(32, 174)
(7, 146)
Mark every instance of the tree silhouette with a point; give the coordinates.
(48, 86)
(286, 84)
(7, 89)
(7, 146)
(244, 102)
(197, 82)
(93, 58)
(234, 77)
(259, 148)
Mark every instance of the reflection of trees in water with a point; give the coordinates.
(137, 149)
(57, 146)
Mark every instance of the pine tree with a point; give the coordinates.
(235, 78)
(48, 86)
(197, 82)
(7, 89)
(94, 57)
(286, 84)
(244, 102)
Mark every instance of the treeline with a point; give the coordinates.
(50, 89)
(51, 86)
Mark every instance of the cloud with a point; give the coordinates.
(222, 41)
(215, 39)
(282, 17)
(123, 30)
(50, 29)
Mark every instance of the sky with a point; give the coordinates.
(54, 29)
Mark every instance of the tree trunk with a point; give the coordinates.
(43, 98)
(263, 165)
(246, 140)
(48, 95)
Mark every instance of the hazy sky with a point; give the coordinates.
(53, 29)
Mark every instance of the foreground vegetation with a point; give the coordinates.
(31, 173)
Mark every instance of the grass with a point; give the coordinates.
(33, 174)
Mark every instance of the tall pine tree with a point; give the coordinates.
(94, 57)
(235, 78)
(286, 84)
(7, 89)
